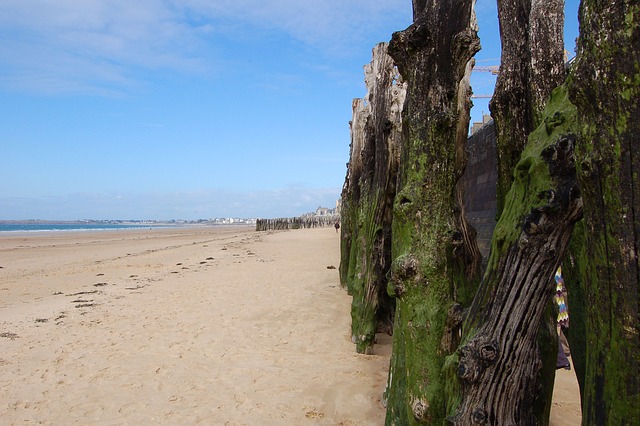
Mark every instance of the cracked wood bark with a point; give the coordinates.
(378, 121)
(605, 86)
(498, 366)
(531, 66)
(432, 56)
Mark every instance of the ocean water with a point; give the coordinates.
(74, 226)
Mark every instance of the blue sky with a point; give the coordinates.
(167, 109)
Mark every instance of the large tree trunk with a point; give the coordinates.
(605, 86)
(499, 365)
(432, 55)
(372, 308)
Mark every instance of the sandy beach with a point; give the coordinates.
(188, 326)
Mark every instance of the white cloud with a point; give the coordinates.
(70, 45)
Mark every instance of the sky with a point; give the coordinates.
(190, 109)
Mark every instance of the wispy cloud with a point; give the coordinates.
(101, 46)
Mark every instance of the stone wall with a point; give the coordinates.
(479, 182)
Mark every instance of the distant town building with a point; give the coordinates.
(323, 211)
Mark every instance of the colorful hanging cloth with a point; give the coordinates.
(563, 312)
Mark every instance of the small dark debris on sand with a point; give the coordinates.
(81, 301)
(209, 258)
(42, 319)
(85, 305)
(178, 264)
(331, 267)
(135, 288)
(11, 336)
(99, 275)
(203, 262)
(83, 292)
(100, 284)
(58, 293)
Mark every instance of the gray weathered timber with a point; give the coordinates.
(432, 55)
(350, 196)
(376, 132)
(605, 87)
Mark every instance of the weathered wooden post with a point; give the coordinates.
(605, 87)
(376, 134)
(433, 56)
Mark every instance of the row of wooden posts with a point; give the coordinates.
(296, 222)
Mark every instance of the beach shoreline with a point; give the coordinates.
(210, 325)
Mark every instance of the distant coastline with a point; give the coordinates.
(38, 225)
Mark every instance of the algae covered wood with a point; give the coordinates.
(376, 133)
(432, 55)
(531, 67)
(605, 87)
(498, 363)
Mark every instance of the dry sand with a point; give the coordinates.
(186, 326)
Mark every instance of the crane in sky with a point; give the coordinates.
(493, 69)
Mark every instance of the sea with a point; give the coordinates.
(74, 226)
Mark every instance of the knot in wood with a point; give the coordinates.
(549, 153)
(551, 122)
(489, 352)
(405, 267)
(469, 370)
(479, 416)
(475, 357)
(456, 238)
(562, 162)
(455, 315)
(532, 222)
(420, 411)
(399, 290)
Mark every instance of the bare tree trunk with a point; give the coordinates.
(605, 86)
(378, 156)
(432, 56)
